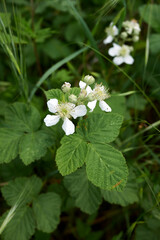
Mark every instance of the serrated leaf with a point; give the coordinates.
(100, 128)
(71, 155)
(128, 196)
(106, 167)
(22, 190)
(47, 211)
(21, 226)
(9, 144)
(21, 134)
(33, 146)
(54, 93)
(87, 196)
(22, 117)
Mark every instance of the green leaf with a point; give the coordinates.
(21, 134)
(54, 93)
(106, 167)
(128, 196)
(33, 146)
(74, 90)
(21, 226)
(117, 104)
(22, 117)
(22, 190)
(56, 49)
(59, 5)
(47, 211)
(154, 43)
(74, 33)
(71, 155)
(9, 144)
(149, 230)
(100, 128)
(14, 169)
(87, 196)
(137, 101)
(150, 14)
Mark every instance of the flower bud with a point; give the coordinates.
(124, 35)
(83, 94)
(89, 79)
(66, 87)
(91, 97)
(72, 98)
(135, 38)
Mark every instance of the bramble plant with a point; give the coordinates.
(79, 120)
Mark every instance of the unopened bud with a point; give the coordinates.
(72, 98)
(135, 38)
(66, 87)
(83, 94)
(124, 35)
(91, 97)
(89, 79)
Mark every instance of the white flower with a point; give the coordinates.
(132, 27)
(83, 85)
(65, 111)
(111, 31)
(100, 94)
(121, 54)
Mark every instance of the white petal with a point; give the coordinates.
(115, 29)
(52, 105)
(79, 111)
(118, 60)
(129, 59)
(92, 105)
(82, 84)
(104, 106)
(68, 126)
(88, 89)
(51, 120)
(114, 51)
(108, 39)
(116, 46)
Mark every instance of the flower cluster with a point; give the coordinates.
(122, 42)
(76, 106)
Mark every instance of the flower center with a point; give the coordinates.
(64, 109)
(124, 51)
(100, 92)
